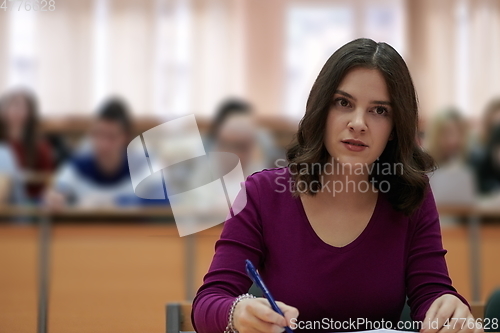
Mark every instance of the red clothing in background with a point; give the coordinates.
(44, 163)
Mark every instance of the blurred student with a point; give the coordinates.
(447, 137)
(453, 182)
(488, 172)
(234, 130)
(99, 176)
(19, 115)
(491, 119)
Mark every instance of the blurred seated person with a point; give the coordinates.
(491, 119)
(447, 138)
(234, 130)
(99, 176)
(453, 181)
(488, 172)
(19, 115)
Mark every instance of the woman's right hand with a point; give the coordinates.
(255, 315)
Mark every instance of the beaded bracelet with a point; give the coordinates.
(230, 326)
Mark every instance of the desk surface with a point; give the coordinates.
(464, 210)
(166, 211)
(118, 212)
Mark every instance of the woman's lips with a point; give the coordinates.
(355, 148)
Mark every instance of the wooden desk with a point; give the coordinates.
(465, 211)
(118, 277)
(82, 213)
(474, 214)
(104, 278)
(18, 278)
(160, 211)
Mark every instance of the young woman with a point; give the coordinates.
(19, 115)
(349, 228)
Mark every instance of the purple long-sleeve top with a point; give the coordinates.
(393, 258)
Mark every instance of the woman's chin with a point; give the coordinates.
(350, 164)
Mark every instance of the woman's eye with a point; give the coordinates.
(342, 102)
(380, 110)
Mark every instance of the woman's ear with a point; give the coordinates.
(391, 136)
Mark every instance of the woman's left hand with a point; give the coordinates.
(448, 314)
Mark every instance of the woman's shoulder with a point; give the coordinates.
(427, 212)
(269, 176)
(270, 181)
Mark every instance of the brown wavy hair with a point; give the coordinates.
(308, 152)
(30, 135)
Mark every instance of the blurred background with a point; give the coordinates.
(79, 79)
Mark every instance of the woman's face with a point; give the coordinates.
(361, 110)
(238, 136)
(16, 112)
(451, 139)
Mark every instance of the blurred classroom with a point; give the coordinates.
(80, 79)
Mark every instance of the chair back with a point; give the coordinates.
(179, 317)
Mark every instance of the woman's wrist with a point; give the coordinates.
(230, 322)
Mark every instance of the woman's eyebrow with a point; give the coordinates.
(353, 98)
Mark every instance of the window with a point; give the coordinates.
(314, 30)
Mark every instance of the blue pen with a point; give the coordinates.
(252, 273)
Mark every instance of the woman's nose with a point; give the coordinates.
(357, 122)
